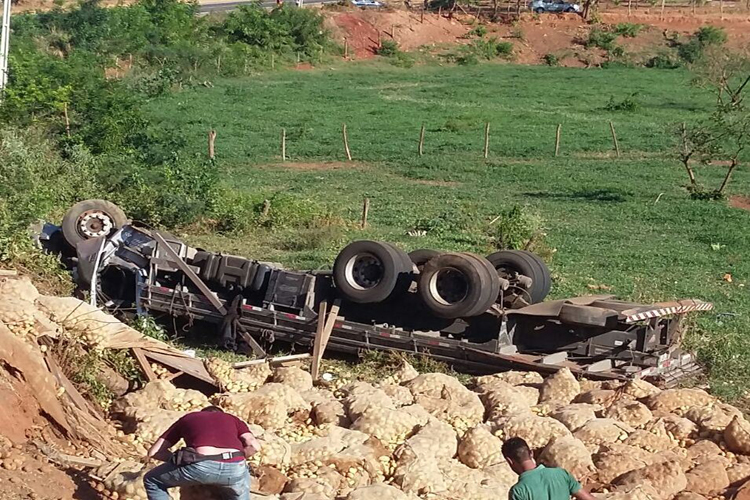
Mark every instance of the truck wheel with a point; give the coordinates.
(492, 286)
(539, 10)
(510, 263)
(91, 219)
(370, 271)
(422, 256)
(455, 285)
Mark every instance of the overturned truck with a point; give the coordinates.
(479, 314)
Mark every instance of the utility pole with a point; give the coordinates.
(4, 46)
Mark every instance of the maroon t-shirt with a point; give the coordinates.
(208, 428)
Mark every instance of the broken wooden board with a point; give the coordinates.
(144, 364)
(189, 366)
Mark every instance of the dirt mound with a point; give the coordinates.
(362, 30)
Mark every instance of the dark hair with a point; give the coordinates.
(517, 450)
(213, 409)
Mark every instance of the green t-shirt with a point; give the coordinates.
(544, 483)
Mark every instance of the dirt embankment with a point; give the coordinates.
(533, 36)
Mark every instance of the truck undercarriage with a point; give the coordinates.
(478, 314)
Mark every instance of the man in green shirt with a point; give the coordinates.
(537, 482)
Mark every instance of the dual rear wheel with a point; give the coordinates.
(451, 285)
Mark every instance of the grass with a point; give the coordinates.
(625, 223)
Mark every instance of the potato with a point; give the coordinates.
(570, 454)
(667, 479)
(737, 435)
(479, 448)
(707, 477)
(631, 413)
(561, 387)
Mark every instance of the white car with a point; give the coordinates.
(540, 6)
(366, 3)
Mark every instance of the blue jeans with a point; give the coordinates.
(231, 477)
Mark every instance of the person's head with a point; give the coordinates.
(518, 455)
(214, 409)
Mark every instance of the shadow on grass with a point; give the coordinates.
(607, 195)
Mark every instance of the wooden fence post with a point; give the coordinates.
(486, 139)
(421, 16)
(211, 144)
(283, 144)
(346, 48)
(663, 2)
(557, 139)
(614, 138)
(365, 212)
(421, 140)
(67, 119)
(273, 61)
(630, 4)
(393, 32)
(346, 143)
(380, 39)
(266, 208)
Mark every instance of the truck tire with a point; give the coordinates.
(422, 256)
(91, 219)
(492, 286)
(544, 270)
(456, 285)
(508, 262)
(370, 271)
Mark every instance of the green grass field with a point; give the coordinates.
(625, 223)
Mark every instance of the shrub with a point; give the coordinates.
(388, 48)
(706, 36)
(601, 39)
(478, 31)
(467, 59)
(490, 48)
(663, 61)
(551, 60)
(629, 104)
(628, 30)
(515, 229)
(711, 35)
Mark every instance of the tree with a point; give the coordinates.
(725, 134)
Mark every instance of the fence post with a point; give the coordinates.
(557, 139)
(421, 140)
(67, 119)
(346, 48)
(486, 139)
(273, 61)
(365, 212)
(662, 8)
(421, 16)
(393, 32)
(266, 208)
(614, 138)
(211, 144)
(283, 144)
(346, 142)
(380, 39)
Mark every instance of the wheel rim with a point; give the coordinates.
(449, 286)
(364, 271)
(94, 224)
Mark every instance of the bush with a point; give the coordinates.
(490, 49)
(628, 30)
(663, 61)
(478, 31)
(629, 104)
(601, 39)
(551, 60)
(706, 36)
(388, 48)
(711, 35)
(515, 229)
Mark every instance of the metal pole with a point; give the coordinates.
(4, 46)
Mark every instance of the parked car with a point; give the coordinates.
(366, 3)
(540, 6)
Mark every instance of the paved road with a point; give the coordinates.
(228, 6)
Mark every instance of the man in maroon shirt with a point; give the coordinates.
(221, 443)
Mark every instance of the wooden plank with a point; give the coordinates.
(276, 360)
(78, 400)
(144, 364)
(323, 334)
(257, 349)
(190, 274)
(189, 366)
